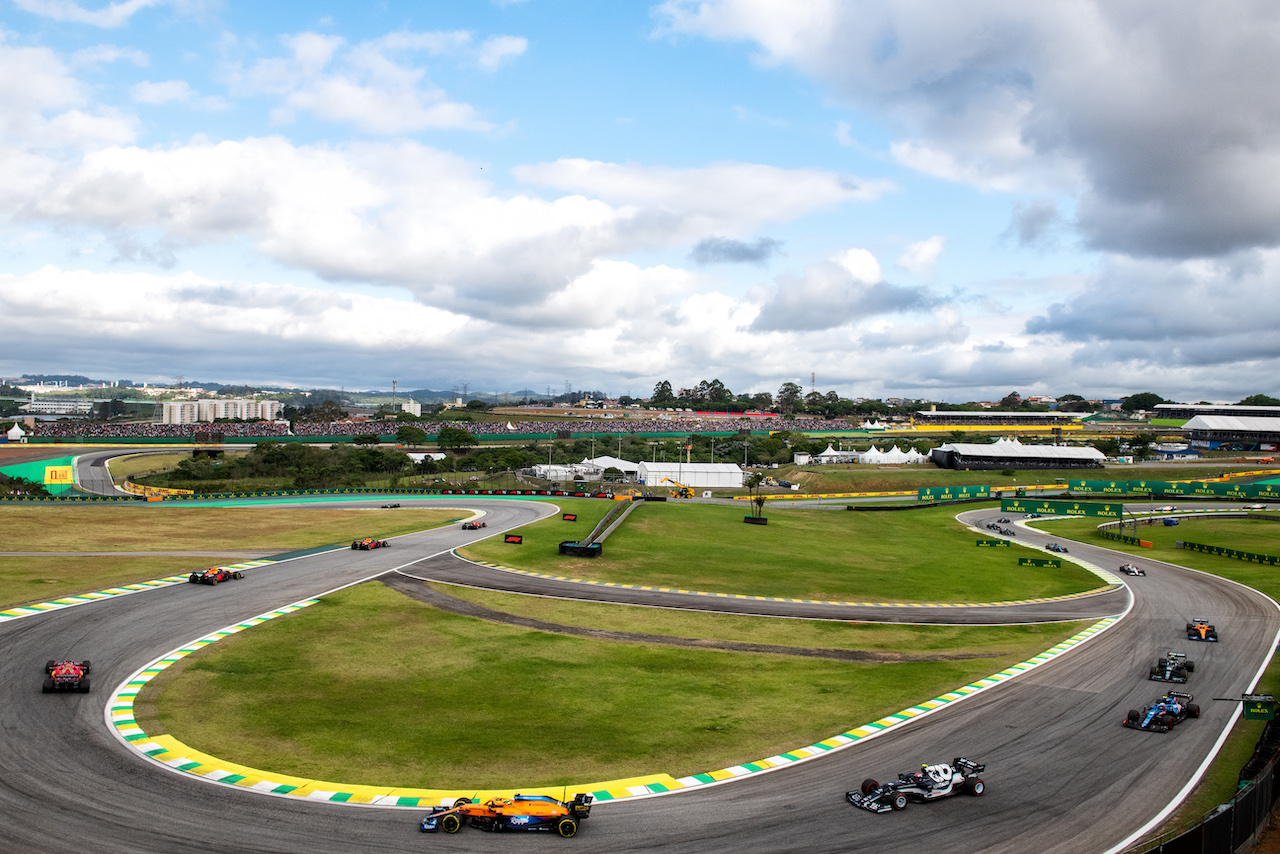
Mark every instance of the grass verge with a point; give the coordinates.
(918, 556)
(372, 687)
(27, 580)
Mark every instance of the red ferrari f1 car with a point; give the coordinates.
(523, 812)
(65, 676)
(369, 543)
(213, 575)
(474, 525)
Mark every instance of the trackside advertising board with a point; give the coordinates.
(993, 543)
(1046, 507)
(952, 493)
(1099, 487)
(1039, 561)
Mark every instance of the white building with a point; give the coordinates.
(413, 408)
(693, 475)
(211, 409)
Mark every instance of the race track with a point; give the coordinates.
(1062, 774)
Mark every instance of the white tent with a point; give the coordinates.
(694, 475)
(16, 434)
(872, 425)
(627, 467)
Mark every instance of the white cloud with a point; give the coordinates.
(162, 92)
(107, 17)
(921, 257)
(497, 51)
(862, 265)
(1169, 157)
(364, 85)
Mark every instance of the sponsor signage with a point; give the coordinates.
(570, 517)
(58, 475)
(952, 493)
(1046, 507)
(1102, 487)
(1259, 710)
(1250, 557)
(513, 538)
(1039, 561)
(993, 543)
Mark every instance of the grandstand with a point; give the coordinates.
(1012, 454)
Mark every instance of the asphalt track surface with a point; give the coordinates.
(1062, 774)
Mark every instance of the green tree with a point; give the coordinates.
(662, 393)
(455, 439)
(1012, 400)
(789, 397)
(754, 484)
(1259, 400)
(1145, 400)
(365, 439)
(410, 435)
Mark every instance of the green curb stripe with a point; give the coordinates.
(84, 598)
(1112, 583)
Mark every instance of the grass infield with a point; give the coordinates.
(371, 687)
(98, 528)
(909, 556)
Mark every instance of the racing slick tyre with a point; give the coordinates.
(567, 827)
(1193, 711)
(1191, 667)
(87, 665)
(975, 786)
(47, 687)
(237, 575)
(451, 823)
(1166, 721)
(1162, 663)
(192, 579)
(83, 685)
(1155, 671)
(461, 802)
(1133, 717)
(49, 665)
(899, 801)
(868, 786)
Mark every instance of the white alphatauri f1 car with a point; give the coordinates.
(929, 783)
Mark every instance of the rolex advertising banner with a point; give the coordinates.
(952, 493)
(1046, 507)
(1104, 487)
(1039, 561)
(1259, 710)
(992, 543)
(1157, 486)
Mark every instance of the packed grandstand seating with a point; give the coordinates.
(267, 429)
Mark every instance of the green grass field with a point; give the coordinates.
(911, 556)
(105, 528)
(373, 687)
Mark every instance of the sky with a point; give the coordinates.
(881, 198)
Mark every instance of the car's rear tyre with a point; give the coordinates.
(47, 687)
(868, 786)
(193, 579)
(975, 786)
(1162, 663)
(1191, 667)
(567, 827)
(83, 685)
(87, 665)
(899, 801)
(461, 802)
(237, 575)
(1193, 711)
(451, 823)
(49, 665)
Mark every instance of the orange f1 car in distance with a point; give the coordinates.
(523, 812)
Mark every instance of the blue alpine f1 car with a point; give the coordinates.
(1161, 716)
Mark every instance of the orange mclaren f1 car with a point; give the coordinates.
(523, 812)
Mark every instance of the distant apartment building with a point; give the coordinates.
(413, 408)
(198, 411)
